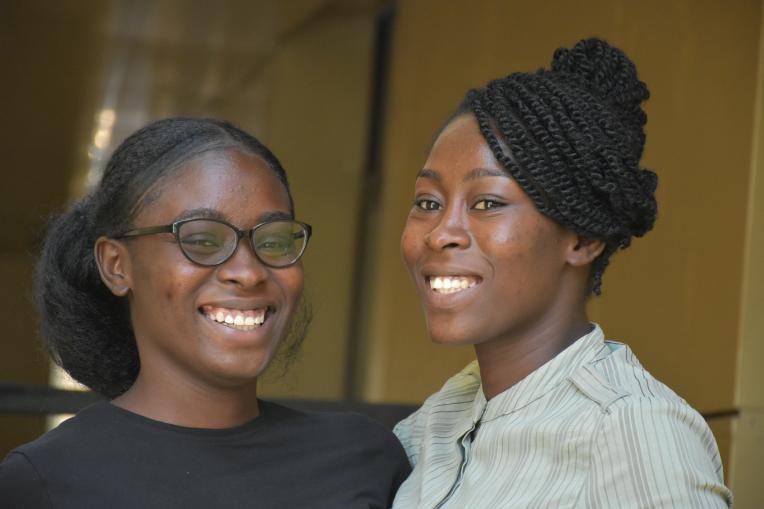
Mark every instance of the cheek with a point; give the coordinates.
(292, 281)
(411, 239)
(171, 287)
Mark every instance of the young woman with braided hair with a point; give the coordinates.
(168, 290)
(529, 189)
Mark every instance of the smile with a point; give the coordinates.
(451, 284)
(240, 319)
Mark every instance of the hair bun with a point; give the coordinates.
(607, 72)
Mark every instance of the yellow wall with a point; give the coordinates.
(748, 444)
(674, 296)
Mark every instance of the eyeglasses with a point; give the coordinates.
(210, 242)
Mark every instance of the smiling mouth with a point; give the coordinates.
(451, 284)
(239, 319)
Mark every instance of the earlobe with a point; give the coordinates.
(113, 262)
(585, 251)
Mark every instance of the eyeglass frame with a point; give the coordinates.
(174, 228)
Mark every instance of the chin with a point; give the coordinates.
(448, 336)
(240, 372)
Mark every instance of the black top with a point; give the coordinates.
(107, 457)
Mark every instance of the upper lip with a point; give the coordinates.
(448, 269)
(239, 304)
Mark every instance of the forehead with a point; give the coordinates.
(461, 148)
(240, 186)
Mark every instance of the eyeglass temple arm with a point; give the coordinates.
(168, 228)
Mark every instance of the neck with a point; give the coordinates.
(507, 360)
(184, 404)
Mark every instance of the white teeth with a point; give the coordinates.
(242, 320)
(451, 284)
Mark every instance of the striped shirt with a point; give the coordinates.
(590, 428)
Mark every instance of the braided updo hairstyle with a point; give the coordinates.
(85, 327)
(572, 137)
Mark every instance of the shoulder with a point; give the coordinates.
(651, 442)
(21, 484)
(91, 426)
(331, 425)
(632, 399)
(616, 379)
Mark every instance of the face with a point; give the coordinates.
(177, 306)
(488, 266)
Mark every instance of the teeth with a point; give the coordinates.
(248, 319)
(451, 284)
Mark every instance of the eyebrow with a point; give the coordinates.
(471, 175)
(207, 213)
(201, 213)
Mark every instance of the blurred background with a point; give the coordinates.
(348, 93)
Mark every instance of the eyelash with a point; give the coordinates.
(428, 205)
(425, 203)
(494, 204)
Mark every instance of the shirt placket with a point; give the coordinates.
(465, 448)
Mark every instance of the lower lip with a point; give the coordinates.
(448, 300)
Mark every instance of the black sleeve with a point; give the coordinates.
(403, 467)
(20, 484)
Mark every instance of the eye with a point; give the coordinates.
(201, 243)
(276, 243)
(488, 204)
(426, 204)
(200, 240)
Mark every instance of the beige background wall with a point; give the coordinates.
(747, 456)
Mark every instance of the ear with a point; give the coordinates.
(584, 251)
(113, 262)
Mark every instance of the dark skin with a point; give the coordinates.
(518, 280)
(196, 372)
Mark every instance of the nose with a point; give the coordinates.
(243, 269)
(450, 231)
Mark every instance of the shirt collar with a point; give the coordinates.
(545, 378)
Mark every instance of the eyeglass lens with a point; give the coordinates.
(277, 243)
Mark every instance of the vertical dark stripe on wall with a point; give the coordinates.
(369, 198)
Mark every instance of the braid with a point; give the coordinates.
(86, 328)
(572, 137)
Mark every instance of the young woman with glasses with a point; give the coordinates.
(527, 191)
(169, 289)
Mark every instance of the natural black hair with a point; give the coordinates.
(85, 327)
(572, 137)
